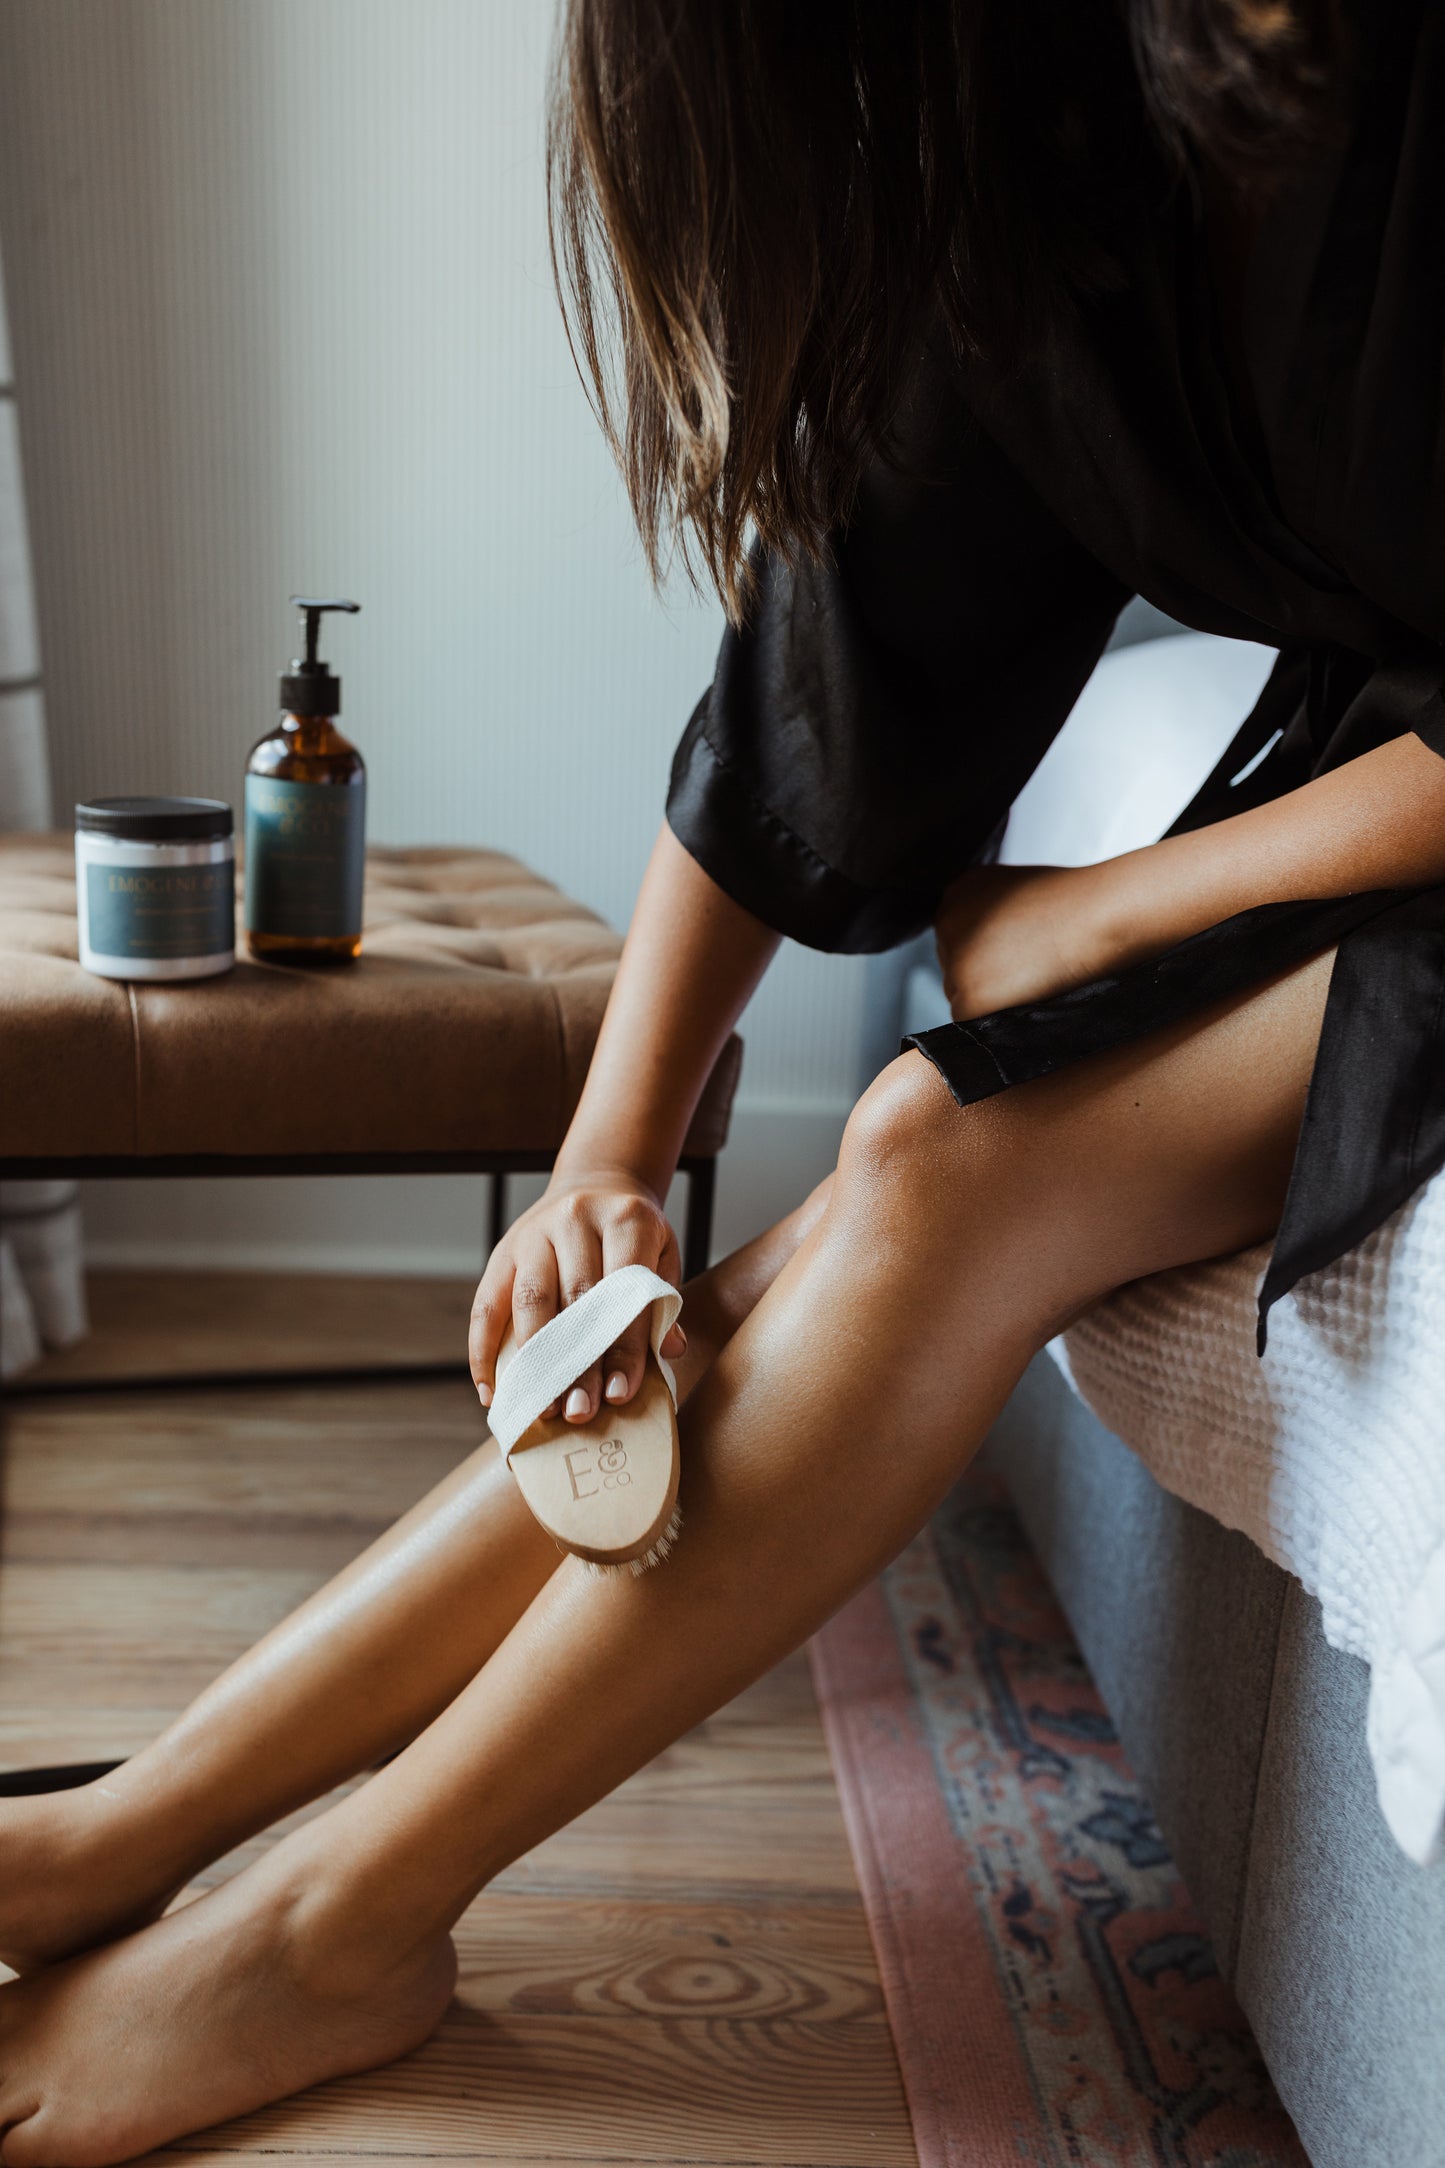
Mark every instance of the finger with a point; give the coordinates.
(578, 1247)
(637, 1235)
(579, 1267)
(619, 1388)
(669, 1266)
(535, 1297)
(582, 1398)
(669, 1258)
(535, 1293)
(487, 1328)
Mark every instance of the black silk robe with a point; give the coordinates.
(866, 732)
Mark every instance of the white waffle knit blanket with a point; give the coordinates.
(1329, 1453)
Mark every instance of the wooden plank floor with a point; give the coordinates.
(683, 1975)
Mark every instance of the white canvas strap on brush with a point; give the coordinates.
(546, 1366)
(605, 1490)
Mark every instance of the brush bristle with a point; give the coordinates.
(653, 1557)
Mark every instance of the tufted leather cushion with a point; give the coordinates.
(466, 1025)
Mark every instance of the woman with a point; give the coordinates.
(979, 323)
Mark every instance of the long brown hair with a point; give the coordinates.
(756, 203)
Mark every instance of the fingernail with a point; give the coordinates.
(682, 1335)
(484, 1394)
(577, 1402)
(617, 1386)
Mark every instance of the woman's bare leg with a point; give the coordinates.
(952, 1245)
(360, 1668)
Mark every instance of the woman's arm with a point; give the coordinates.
(691, 959)
(1008, 934)
(1376, 822)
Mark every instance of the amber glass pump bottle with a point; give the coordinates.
(306, 819)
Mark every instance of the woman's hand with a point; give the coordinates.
(1008, 934)
(690, 961)
(583, 1227)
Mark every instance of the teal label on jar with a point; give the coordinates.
(305, 858)
(159, 912)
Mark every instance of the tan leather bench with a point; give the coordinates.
(457, 1043)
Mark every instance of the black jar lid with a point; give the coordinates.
(155, 820)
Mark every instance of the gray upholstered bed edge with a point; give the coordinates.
(1248, 1732)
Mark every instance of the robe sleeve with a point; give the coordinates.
(871, 723)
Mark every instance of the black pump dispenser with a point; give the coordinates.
(306, 817)
(310, 688)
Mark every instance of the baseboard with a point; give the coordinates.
(426, 1224)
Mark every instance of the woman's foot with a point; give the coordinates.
(236, 2000)
(72, 1875)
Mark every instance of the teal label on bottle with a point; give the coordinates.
(159, 912)
(305, 858)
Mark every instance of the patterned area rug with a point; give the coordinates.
(1053, 1996)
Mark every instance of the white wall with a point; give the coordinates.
(283, 320)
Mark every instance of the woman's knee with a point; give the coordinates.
(950, 1200)
(990, 1165)
(905, 1133)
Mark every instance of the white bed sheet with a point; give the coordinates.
(1329, 1453)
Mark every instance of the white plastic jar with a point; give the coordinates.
(155, 883)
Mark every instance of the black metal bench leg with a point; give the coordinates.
(497, 1215)
(697, 1227)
